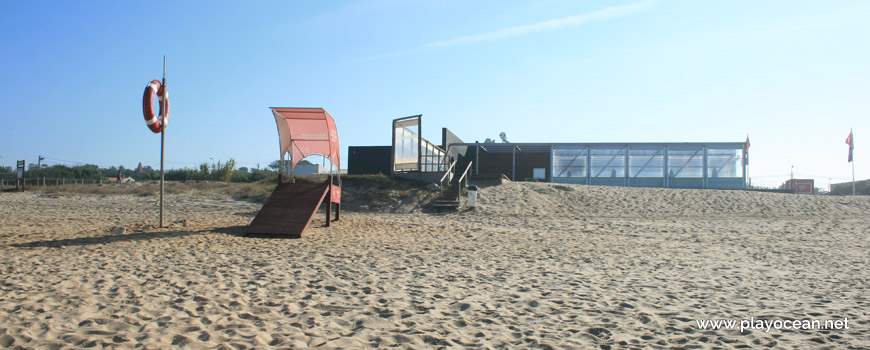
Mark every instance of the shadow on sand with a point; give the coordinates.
(238, 231)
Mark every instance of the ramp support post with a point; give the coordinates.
(329, 201)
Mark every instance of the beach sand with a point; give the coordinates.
(534, 266)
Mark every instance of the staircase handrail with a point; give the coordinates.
(448, 172)
(463, 186)
(465, 173)
(463, 180)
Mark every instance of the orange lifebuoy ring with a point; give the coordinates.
(154, 123)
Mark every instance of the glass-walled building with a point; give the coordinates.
(675, 165)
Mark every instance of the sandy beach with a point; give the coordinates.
(536, 265)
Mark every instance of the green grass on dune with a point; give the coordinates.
(354, 188)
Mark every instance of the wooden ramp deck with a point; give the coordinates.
(289, 209)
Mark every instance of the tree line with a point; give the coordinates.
(220, 171)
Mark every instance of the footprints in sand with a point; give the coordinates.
(595, 275)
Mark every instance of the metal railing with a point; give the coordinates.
(461, 183)
(447, 175)
(463, 180)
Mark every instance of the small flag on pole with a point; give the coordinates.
(851, 146)
(746, 151)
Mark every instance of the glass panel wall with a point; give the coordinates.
(647, 163)
(433, 158)
(569, 162)
(724, 163)
(686, 163)
(406, 145)
(608, 162)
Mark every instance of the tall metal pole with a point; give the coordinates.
(162, 139)
(852, 153)
(627, 166)
(514, 163)
(853, 174)
(477, 159)
(420, 148)
(746, 178)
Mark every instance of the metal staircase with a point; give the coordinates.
(451, 191)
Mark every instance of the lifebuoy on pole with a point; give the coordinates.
(155, 122)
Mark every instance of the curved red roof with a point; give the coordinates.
(307, 131)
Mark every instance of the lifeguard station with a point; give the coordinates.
(292, 206)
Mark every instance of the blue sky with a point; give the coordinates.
(793, 75)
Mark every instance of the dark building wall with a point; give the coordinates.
(500, 163)
(448, 137)
(845, 188)
(368, 160)
(458, 153)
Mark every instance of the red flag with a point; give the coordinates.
(851, 146)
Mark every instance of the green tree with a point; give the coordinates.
(223, 172)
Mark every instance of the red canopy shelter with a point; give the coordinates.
(306, 131)
(291, 206)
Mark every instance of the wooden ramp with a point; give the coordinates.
(289, 209)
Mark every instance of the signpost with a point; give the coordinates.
(20, 178)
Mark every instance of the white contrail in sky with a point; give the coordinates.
(553, 24)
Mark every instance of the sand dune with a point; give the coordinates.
(535, 266)
(544, 199)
